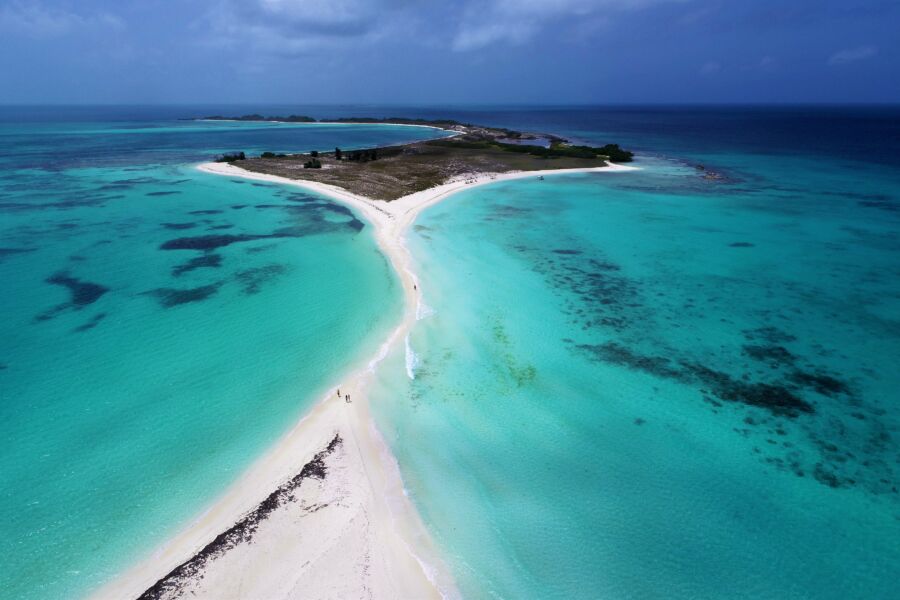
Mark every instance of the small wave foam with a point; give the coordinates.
(423, 311)
(412, 360)
(382, 353)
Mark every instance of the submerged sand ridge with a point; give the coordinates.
(324, 513)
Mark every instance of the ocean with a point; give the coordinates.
(669, 383)
(676, 382)
(162, 327)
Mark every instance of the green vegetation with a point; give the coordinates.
(362, 155)
(231, 157)
(391, 172)
(616, 154)
(556, 149)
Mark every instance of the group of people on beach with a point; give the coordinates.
(475, 179)
(346, 396)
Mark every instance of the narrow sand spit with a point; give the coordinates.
(324, 513)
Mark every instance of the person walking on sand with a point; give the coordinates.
(347, 398)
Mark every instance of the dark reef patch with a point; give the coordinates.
(339, 209)
(777, 399)
(170, 297)
(6, 252)
(239, 206)
(75, 202)
(209, 260)
(886, 205)
(253, 279)
(205, 212)
(220, 227)
(788, 403)
(137, 181)
(826, 477)
(499, 212)
(82, 292)
(619, 355)
(769, 335)
(162, 193)
(798, 417)
(190, 225)
(312, 213)
(593, 289)
(741, 245)
(93, 322)
(242, 532)
(258, 249)
(820, 382)
(211, 242)
(355, 224)
(284, 207)
(772, 354)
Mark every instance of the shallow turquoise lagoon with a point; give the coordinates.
(161, 328)
(656, 385)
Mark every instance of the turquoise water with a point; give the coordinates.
(632, 385)
(161, 328)
(656, 385)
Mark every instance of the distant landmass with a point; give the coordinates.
(288, 119)
(391, 172)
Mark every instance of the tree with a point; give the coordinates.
(314, 153)
(231, 157)
(337, 154)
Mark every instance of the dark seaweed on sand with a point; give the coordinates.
(174, 583)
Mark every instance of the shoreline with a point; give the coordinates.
(366, 537)
(322, 123)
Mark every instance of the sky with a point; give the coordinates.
(449, 52)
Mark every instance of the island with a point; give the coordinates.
(392, 172)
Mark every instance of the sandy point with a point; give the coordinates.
(323, 513)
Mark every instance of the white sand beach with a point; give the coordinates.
(351, 532)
